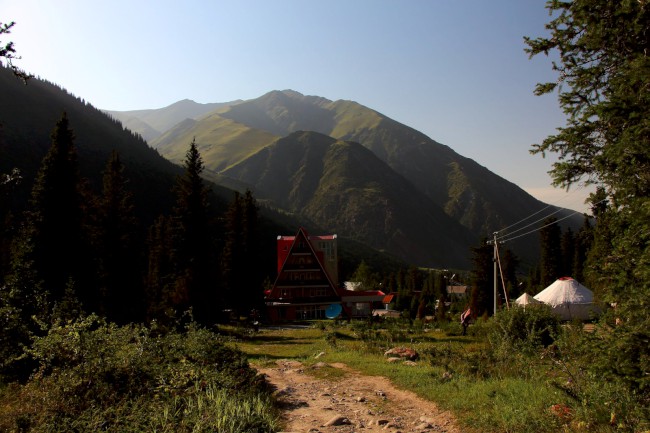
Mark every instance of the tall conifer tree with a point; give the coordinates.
(196, 279)
(603, 74)
(160, 294)
(52, 243)
(551, 251)
(482, 295)
(567, 246)
(49, 255)
(119, 248)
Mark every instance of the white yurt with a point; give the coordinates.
(525, 300)
(569, 299)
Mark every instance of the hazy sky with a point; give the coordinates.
(454, 70)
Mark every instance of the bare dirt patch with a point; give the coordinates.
(344, 400)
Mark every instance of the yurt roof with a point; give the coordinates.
(565, 290)
(526, 299)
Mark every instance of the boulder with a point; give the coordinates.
(402, 352)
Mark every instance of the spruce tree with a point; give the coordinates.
(567, 246)
(603, 68)
(49, 255)
(233, 256)
(119, 249)
(196, 279)
(252, 253)
(440, 290)
(582, 245)
(551, 251)
(160, 286)
(482, 295)
(52, 248)
(509, 265)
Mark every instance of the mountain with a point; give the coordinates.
(28, 113)
(344, 188)
(152, 123)
(470, 193)
(480, 200)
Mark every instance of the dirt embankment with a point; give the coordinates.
(351, 403)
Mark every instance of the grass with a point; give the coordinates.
(450, 372)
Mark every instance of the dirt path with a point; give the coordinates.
(351, 403)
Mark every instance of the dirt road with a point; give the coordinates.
(350, 402)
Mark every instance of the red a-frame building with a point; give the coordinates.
(307, 278)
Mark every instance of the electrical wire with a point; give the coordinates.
(533, 223)
(580, 187)
(547, 225)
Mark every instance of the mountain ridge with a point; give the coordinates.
(466, 191)
(151, 123)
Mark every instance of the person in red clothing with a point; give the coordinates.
(465, 317)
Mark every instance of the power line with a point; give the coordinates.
(547, 225)
(539, 228)
(580, 187)
(533, 223)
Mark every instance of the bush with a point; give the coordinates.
(523, 329)
(97, 376)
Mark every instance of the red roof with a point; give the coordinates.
(344, 292)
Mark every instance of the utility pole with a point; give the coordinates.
(494, 261)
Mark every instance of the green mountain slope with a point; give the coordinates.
(221, 141)
(152, 123)
(345, 188)
(476, 198)
(468, 192)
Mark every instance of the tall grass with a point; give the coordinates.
(213, 409)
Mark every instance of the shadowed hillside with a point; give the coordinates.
(344, 187)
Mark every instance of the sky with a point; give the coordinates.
(454, 70)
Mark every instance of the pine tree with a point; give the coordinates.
(196, 278)
(603, 71)
(49, 255)
(52, 242)
(161, 297)
(119, 248)
(482, 295)
(551, 251)
(253, 275)
(582, 245)
(242, 276)
(232, 257)
(567, 246)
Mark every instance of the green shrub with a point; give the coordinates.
(94, 376)
(523, 329)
